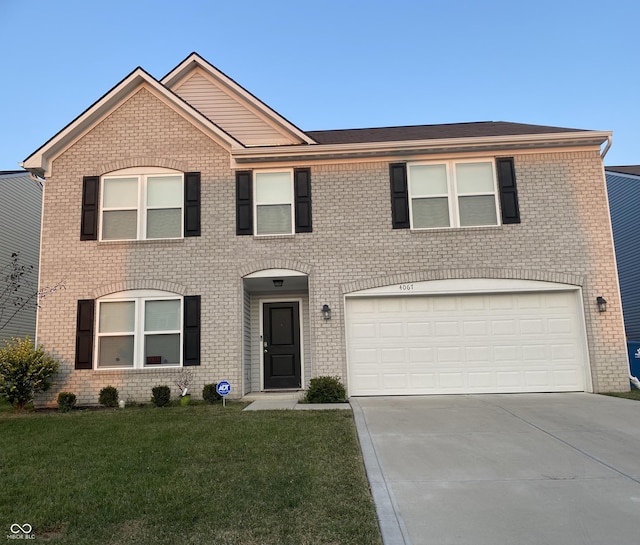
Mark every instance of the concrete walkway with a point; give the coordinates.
(528, 469)
(288, 401)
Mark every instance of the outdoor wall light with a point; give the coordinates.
(602, 304)
(278, 282)
(326, 312)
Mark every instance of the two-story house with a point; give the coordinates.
(195, 226)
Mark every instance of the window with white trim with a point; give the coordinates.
(139, 329)
(452, 194)
(274, 198)
(142, 204)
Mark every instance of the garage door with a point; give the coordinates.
(445, 344)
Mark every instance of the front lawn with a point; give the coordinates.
(197, 474)
(631, 394)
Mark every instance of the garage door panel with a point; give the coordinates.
(560, 326)
(475, 327)
(421, 355)
(560, 352)
(479, 354)
(503, 327)
(538, 379)
(449, 354)
(419, 344)
(392, 355)
(447, 329)
(418, 329)
(482, 380)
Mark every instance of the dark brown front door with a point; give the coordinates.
(281, 345)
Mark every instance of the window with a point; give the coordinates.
(139, 329)
(140, 205)
(274, 203)
(452, 194)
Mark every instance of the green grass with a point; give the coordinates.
(632, 394)
(198, 474)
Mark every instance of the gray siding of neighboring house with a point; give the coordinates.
(20, 210)
(624, 202)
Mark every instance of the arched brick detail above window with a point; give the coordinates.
(455, 274)
(275, 263)
(132, 162)
(147, 284)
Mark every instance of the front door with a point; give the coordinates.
(281, 345)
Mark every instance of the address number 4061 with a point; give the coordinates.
(406, 287)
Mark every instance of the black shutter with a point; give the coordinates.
(84, 334)
(192, 204)
(399, 196)
(244, 203)
(89, 219)
(191, 348)
(302, 192)
(508, 190)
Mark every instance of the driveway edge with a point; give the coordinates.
(392, 526)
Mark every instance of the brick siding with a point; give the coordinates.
(565, 236)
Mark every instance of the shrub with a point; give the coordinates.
(66, 401)
(161, 396)
(325, 390)
(210, 394)
(24, 371)
(109, 396)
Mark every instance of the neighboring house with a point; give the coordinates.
(623, 184)
(195, 226)
(20, 211)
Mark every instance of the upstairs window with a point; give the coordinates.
(142, 205)
(452, 194)
(274, 203)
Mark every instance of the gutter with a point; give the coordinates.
(409, 147)
(607, 147)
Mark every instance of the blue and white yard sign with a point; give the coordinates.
(223, 388)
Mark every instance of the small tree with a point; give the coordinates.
(24, 371)
(19, 289)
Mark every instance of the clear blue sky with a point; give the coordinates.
(332, 64)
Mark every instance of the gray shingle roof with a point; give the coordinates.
(432, 132)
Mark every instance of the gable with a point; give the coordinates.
(231, 106)
(228, 112)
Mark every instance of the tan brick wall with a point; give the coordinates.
(564, 236)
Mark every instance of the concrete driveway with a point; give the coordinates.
(503, 469)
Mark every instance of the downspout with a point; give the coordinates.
(607, 147)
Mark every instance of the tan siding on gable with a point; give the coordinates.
(230, 114)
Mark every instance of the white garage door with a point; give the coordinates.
(445, 344)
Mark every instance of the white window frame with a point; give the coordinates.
(452, 193)
(291, 202)
(141, 209)
(139, 298)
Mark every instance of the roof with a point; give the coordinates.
(429, 132)
(630, 169)
(297, 145)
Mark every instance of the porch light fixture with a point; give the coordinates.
(602, 304)
(326, 312)
(277, 283)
